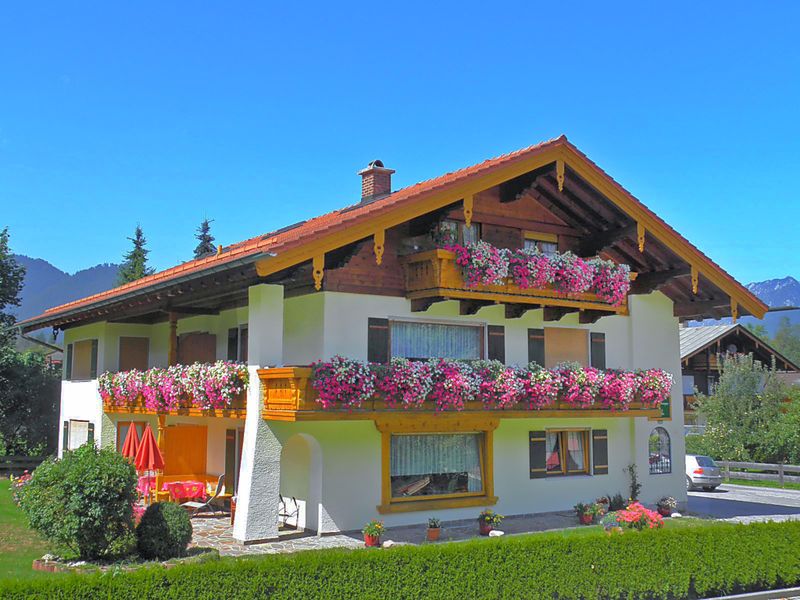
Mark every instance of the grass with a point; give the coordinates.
(19, 546)
(765, 484)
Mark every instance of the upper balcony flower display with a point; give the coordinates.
(205, 386)
(564, 272)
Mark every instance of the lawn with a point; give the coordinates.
(18, 544)
(766, 484)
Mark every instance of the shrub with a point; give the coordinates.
(164, 531)
(82, 503)
(702, 561)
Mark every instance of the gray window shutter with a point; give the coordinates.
(536, 346)
(68, 363)
(537, 442)
(666, 408)
(497, 343)
(90, 433)
(65, 437)
(599, 451)
(598, 350)
(233, 343)
(378, 340)
(93, 374)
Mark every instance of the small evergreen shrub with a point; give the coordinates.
(164, 531)
(83, 502)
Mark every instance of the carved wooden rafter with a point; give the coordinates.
(471, 307)
(318, 272)
(469, 201)
(603, 241)
(647, 282)
(699, 307)
(517, 311)
(379, 244)
(587, 317)
(554, 313)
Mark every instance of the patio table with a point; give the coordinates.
(145, 484)
(185, 490)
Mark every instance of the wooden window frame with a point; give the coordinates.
(480, 324)
(587, 344)
(540, 236)
(404, 425)
(562, 450)
(460, 225)
(128, 423)
(71, 365)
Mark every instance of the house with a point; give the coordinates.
(372, 282)
(702, 349)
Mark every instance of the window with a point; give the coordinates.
(237, 343)
(443, 464)
(133, 353)
(567, 452)
(419, 340)
(458, 232)
(122, 431)
(660, 452)
(546, 243)
(81, 363)
(78, 434)
(562, 344)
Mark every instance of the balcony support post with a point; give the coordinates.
(172, 358)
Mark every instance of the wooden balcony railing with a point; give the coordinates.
(435, 274)
(236, 410)
(289, 396)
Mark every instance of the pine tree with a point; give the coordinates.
(11, 279)
(205, 239)
(134, 265)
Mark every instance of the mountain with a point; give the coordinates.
(46, 286)
(777, 292)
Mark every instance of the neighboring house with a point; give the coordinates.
(367, 282)
(702, 349)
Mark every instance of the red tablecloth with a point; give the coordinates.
(145, 484)
(185, 490)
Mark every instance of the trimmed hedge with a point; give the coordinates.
(668, 563)
(164, 531)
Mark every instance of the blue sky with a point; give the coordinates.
(257, 115)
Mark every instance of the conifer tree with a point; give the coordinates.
(134, 265)
(205, 239)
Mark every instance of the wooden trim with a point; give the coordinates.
(485, 500)
(541, 236)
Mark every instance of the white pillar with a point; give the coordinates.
(259, 479)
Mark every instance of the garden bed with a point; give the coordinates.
(54, 564)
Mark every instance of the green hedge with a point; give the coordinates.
(679, 563)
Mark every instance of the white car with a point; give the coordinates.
(703, 472)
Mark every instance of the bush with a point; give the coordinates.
(164, 531)
(83, 502)
(702, 561)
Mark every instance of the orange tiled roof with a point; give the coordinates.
(296, 235)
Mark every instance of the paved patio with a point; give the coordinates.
(216, 532)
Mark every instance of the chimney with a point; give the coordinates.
(376, 181)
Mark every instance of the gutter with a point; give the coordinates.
(42, 320)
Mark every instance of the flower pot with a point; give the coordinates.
(664, 511)
(484, 528)
(586, 518)
(372, 541)
(433, 533)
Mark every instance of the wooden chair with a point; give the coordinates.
(286, 512)
(196, 507)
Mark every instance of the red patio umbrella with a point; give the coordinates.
(148, 457)
(131, 445)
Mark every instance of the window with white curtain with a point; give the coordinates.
(567, 453)
(78, 434)
(418, 340)
(436, 464)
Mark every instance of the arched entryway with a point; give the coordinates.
(301, 482)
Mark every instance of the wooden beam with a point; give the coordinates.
(602, 241)
(647, 282)
(568, 217)
(693, 309)
(191, 310)
(172, 356)
(471, 307)
(585, 213)
(423, 304)
(587, 317)
(517, 311)
(554, 313)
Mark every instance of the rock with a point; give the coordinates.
(388, 544)
(676, 515)
(496, 533)
(49, 557)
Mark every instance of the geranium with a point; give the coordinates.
(579, 385)
(571, 274)
(17, 483)
(617, 389)
(454, 384)
(499, 386)
(541, 386)
(343, 382)
(482, 263)
(653, 386)
(610, 281)
(636, 516)
(531, 269)
(404, 382)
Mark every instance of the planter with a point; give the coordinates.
(664, 512)
(433, 533)
(372, 541)
(484, 528)
(586, 518)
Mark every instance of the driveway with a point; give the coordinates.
(742, 503)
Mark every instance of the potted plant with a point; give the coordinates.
(488, 520)
(434, 529)
(372, 533)
(666, 505)
(587, 512)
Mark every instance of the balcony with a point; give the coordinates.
(434, 275)
(288, 395)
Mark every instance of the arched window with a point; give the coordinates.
(660, 452)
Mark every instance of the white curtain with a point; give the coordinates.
(435, 454)
(553, 456)
(435, 340)
(575, 451)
